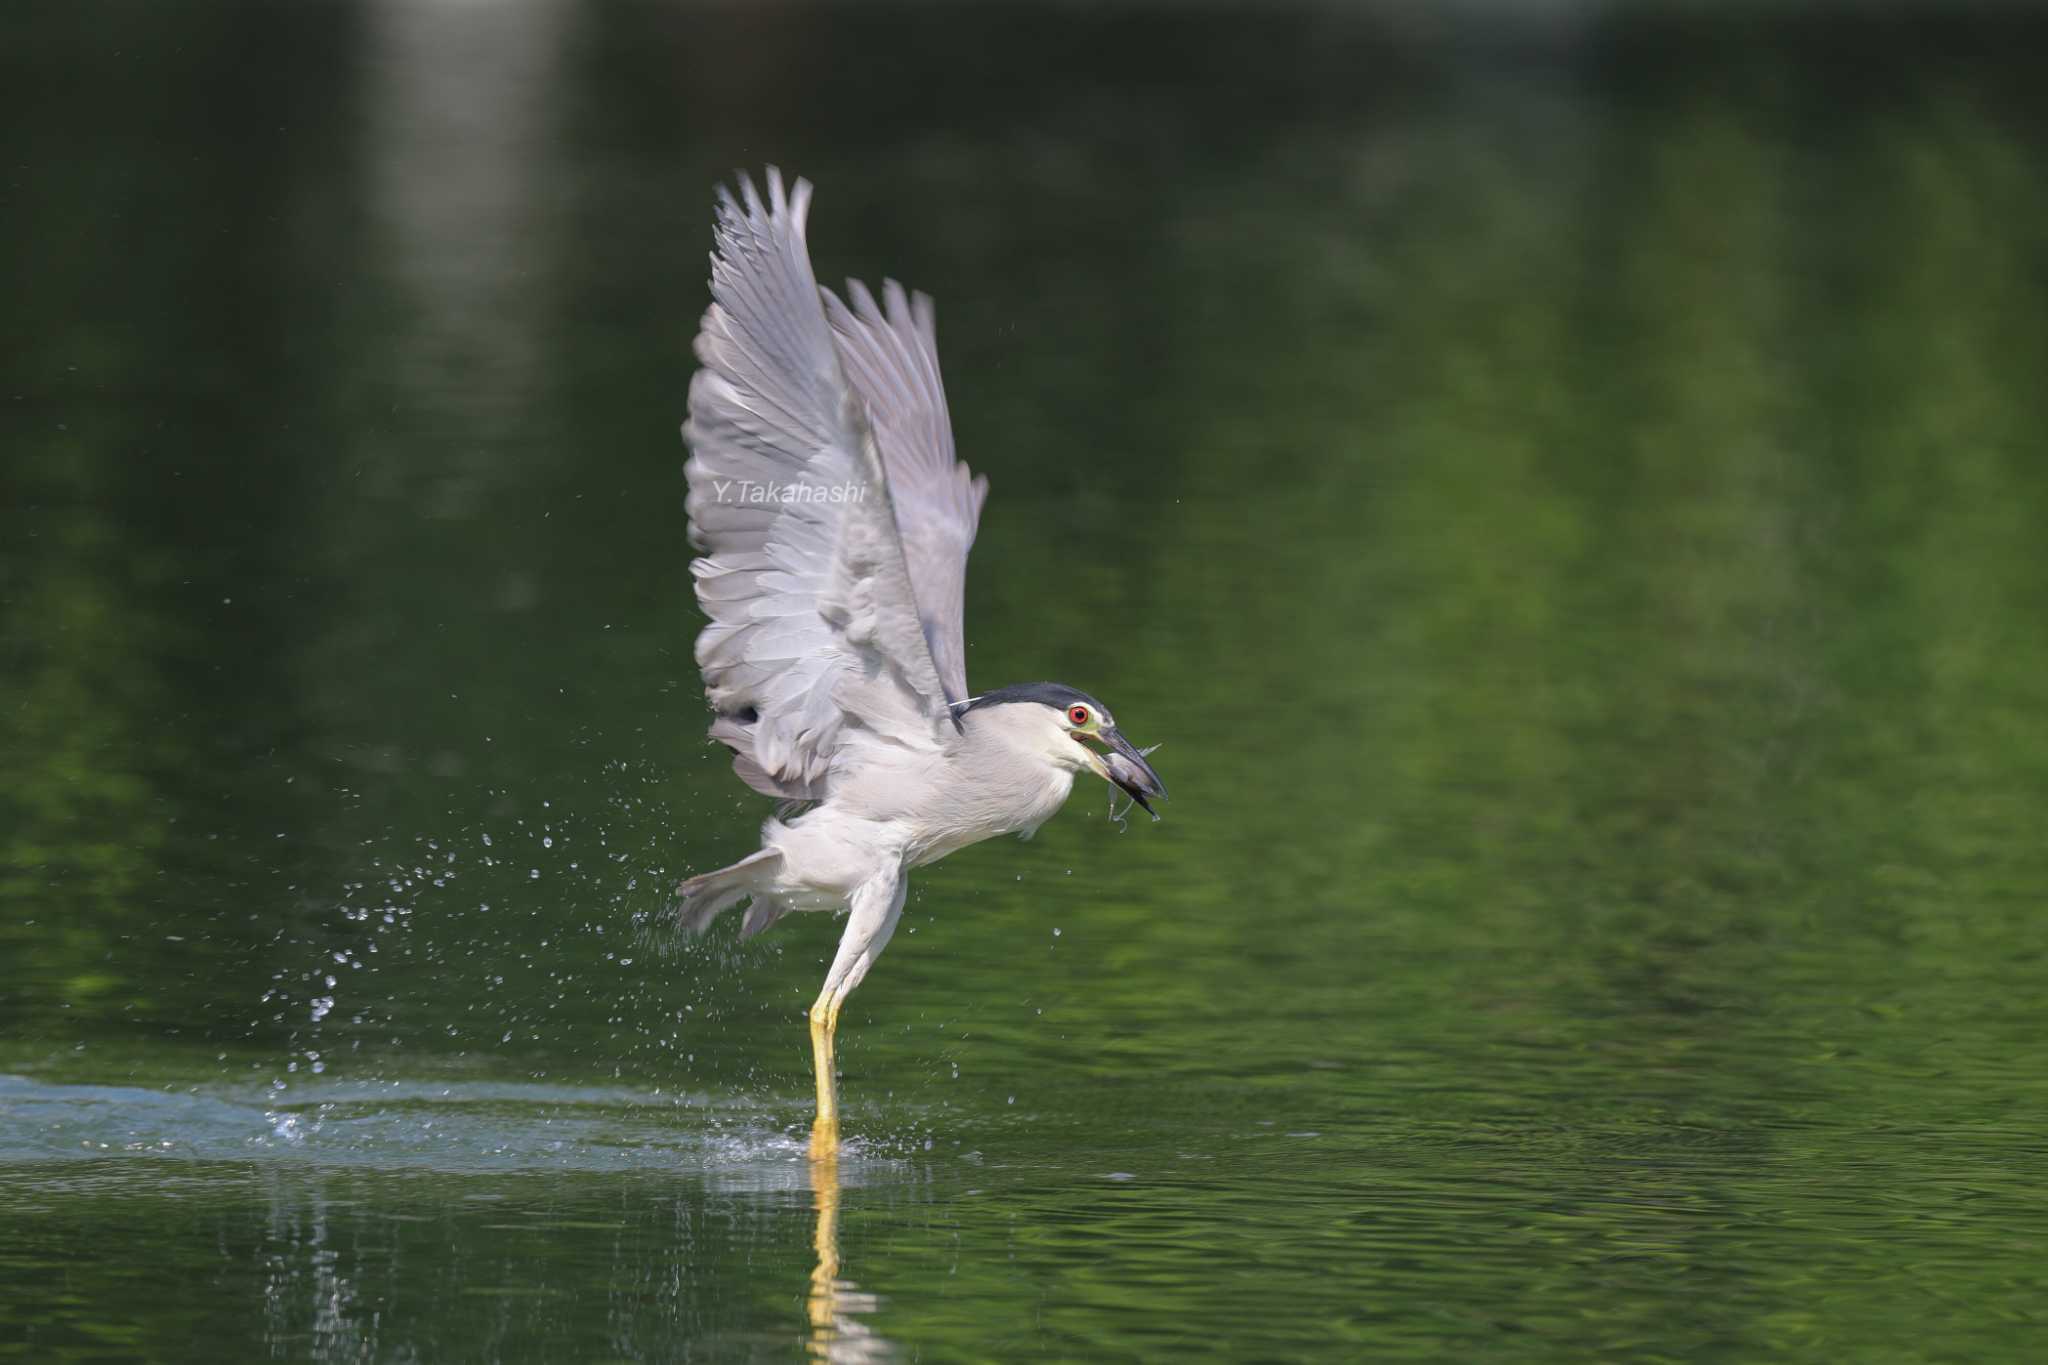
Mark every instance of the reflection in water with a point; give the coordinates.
(835, 1334)
(426, 1220)
(459, 106)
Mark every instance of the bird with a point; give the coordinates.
(833, 522)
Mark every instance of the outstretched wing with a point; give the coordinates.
(891, 354)
(814, 623)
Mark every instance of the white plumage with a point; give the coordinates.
(835, 525)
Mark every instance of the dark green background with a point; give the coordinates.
(1569, 492)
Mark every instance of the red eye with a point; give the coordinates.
(1078, 714)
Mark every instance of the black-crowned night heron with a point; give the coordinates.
(835, 525)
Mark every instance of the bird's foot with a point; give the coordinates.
(825, 1138)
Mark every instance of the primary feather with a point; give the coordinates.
(892, 357)
(818, 626)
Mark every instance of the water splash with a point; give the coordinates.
(468, 1126)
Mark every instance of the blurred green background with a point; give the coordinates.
(1567, 486)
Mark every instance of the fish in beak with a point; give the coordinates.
(1125, 766)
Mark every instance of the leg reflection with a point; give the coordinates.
(835, 1333)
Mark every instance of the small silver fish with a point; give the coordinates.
(1136, 780)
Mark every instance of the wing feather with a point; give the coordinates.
(814, 624)
(890, 354)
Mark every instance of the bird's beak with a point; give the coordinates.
(1125, 766)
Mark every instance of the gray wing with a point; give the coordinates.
(891, 354)
(814, 629)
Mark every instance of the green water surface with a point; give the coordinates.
(1569, 491)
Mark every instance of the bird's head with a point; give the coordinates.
(1072, 730)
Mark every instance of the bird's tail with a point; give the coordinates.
(699, 899)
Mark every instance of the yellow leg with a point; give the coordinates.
(825, 1129)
